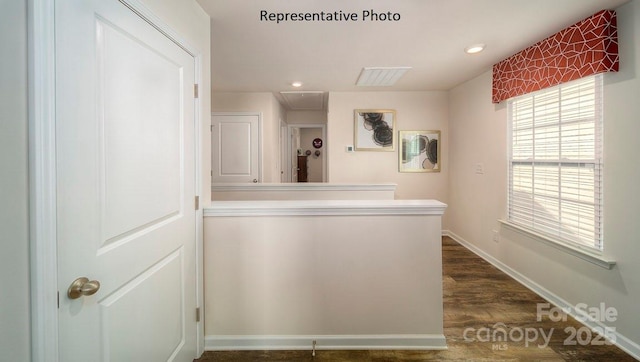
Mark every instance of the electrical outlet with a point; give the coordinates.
(496, 236)
(349, 149)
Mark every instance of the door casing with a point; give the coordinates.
(42, 173)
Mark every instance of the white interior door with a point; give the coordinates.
(125, 186)
(235, 148)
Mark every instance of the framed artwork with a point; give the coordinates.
(374, 129)
(419, 151)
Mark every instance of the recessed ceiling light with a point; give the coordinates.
(475, 48)
(297, 84)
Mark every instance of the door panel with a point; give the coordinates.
(156, 338)
(235, 143)
(125, 186)
(235, 148)
(137, 131)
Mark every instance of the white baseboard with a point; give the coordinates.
(618, 339)
(326, 342)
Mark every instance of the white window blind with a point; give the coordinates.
(555, 173)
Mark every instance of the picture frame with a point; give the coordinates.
(419, 151)
(374, 129)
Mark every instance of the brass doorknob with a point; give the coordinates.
(82, 286)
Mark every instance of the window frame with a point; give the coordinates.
(555, 237)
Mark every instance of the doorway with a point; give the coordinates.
(307, 153)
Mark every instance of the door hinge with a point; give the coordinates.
(197, 202)
(195, 91)
(211, 128)
(197, 314)
(58, 300)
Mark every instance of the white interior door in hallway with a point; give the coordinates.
(235, 148)
(125, 187)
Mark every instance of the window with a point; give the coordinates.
(555, 171)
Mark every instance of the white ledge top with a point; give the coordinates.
(324, 207)
(301, 186)
(592, 256)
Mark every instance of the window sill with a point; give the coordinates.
(593, 257)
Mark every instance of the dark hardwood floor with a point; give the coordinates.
(478, 301)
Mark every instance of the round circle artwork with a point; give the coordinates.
(317, 143)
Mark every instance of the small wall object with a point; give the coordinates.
(419, 151)
(374, 129)
(317, 143)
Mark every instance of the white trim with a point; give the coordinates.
(302, 186)
(588, 255)
(198, 133)
(327, 342)
(143, 12)
(42, 172)
(324, 208)
(42, 181)
(285, 170)
(621, 341)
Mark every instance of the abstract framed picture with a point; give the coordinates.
(374, 129)
(419, 151)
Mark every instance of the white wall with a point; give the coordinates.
(272, 114)
(301, 191)
(415, 111)
(14, 222)
(300, 117)
(304, 270)
(478, 134)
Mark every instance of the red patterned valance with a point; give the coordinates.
(588, 47)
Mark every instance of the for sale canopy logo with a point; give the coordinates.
(500, 334)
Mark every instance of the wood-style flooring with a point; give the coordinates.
(477, 297)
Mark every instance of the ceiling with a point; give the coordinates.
(250, 55)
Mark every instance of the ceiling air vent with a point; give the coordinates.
(380, 76)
